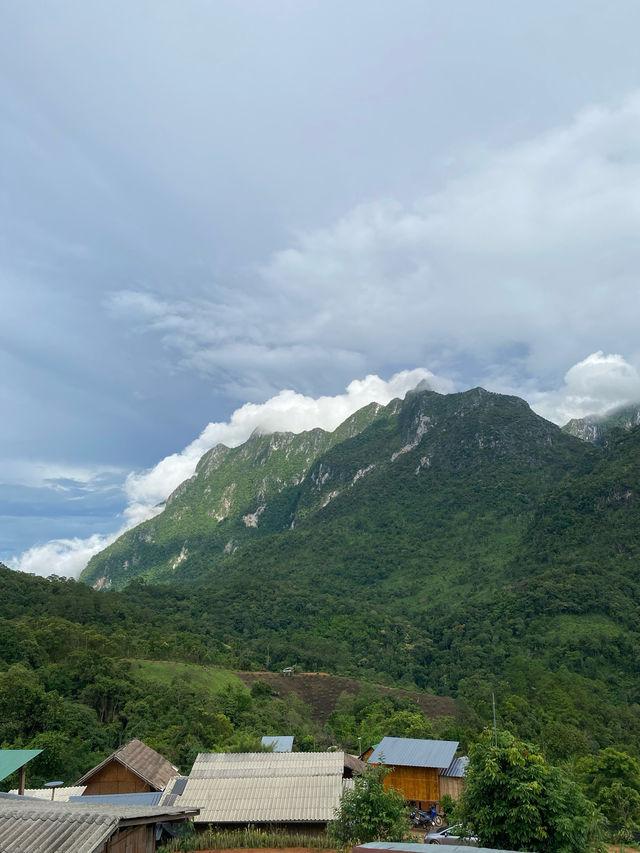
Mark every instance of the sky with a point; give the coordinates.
(223, 215)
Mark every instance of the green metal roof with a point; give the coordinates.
(12, 759)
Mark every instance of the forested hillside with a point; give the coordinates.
(457, 544)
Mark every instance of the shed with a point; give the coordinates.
(284, 788)
(279, 743)
(134, 768)
(45, 827)
(416, 765)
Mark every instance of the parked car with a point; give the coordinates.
(450, 835)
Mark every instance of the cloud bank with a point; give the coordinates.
(525, 264)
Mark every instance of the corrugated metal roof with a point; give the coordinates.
(145, 798)
(264, 800)
(280, 743)
(254, 765)
(141, 760)
(12, 759)
(38, 826)
(456, 768)
(62, 795)
(414, 752)
(41, 831)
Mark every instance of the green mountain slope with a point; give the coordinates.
(417, 464)
(222, 505)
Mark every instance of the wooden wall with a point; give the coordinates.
(419, 784)
(452, 785)
(133, 839)
(115, 778)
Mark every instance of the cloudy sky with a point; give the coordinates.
(217, 215)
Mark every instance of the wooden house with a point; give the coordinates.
(417, 767)
(134, 768)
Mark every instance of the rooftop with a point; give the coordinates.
(62, 795)
(141, 760)
(414, 752)
(13, 759)
(218, 765)
(265, 800)
(45, 827)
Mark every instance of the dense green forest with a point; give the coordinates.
(457, 544)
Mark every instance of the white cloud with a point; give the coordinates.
(593, 386)
(64, 557)
(286, 411)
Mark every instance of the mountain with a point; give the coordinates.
(594, 428)
(417, 459)
(458, 543)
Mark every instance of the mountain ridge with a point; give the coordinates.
(278, 481)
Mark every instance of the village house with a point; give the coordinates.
(134, 768)
(291, 790)
(423, 770)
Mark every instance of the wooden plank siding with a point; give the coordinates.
(452, 785)
(115, 778)
(420, 784)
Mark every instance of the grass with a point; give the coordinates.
(250, 837)
(165, 672)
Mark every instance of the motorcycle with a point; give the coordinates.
(429, 818)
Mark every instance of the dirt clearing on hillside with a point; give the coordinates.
(322, 691)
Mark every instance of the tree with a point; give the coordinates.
(612, 780)
(370, 812)
(514, 800)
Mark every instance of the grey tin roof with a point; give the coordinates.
(414, 752)
(280, 743)
(456, 768)
(38, 826)
(145, 798)
(253, 765)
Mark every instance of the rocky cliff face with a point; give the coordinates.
(593, 428)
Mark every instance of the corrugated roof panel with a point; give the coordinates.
(280, 743)
(456, 768)
(144, 798)
(255, 765)
(40, 831)
(264, 800)
(414, 752)
(62, 795)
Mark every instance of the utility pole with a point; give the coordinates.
(495, 726)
